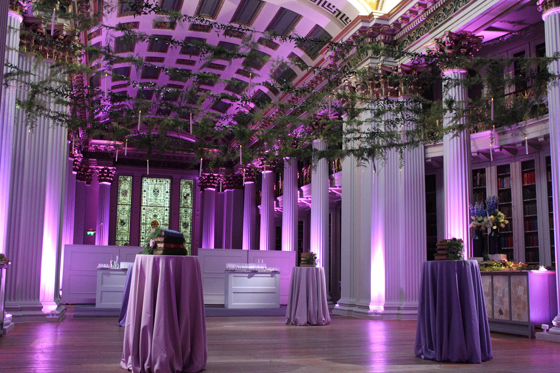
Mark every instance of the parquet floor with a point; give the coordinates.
(262, 344)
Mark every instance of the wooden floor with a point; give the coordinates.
(262, 344)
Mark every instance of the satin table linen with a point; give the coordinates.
(307, 299)
(452, 320)
(165, 328)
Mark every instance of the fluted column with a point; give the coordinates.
(208, 183)
(105, 177)
(349, 227)
(9, 33)
(290, 206)
(551, 17)
(34, 233)
(392, 233)
(249, 216)
(267, 212)
(319, 239)
(363, 212)
(413, 227)
(457, 161)
(456, 146)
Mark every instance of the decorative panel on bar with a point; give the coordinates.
(124, 199)
(155, 206)
(186, 211)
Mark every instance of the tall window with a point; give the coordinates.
(124, 200)
(154, 210)
(185, 212)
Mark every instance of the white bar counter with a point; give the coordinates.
(252, 289)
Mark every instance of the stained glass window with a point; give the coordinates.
(155, 206)
(185, 211)
(123, 210)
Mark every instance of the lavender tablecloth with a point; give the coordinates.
(307, 300)
(165, 329)
(126, 294)
(452, 320)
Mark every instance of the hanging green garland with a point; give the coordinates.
(347, 100)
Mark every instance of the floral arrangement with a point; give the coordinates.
(478, 216)
(150, 242)
(453, 248)
(3, 259)
(507, 265)
(496, 218)
(489, 217)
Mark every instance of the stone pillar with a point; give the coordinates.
(9, 33)
(457, 146)
(319, 232)
(268, 230)
(551, 17)
(349, 227)
(413, 227)
(34, 233)
(105, 177)
(233, 205)
(208, 185)
(249, 211)
(290, 206)
(456, 163)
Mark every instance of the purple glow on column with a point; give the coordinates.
(249, 215)
(208, 218)
(267, 212)
(377, 268)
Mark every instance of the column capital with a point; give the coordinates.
(251, 174)
(233, 181)
(455, 44)
(85, 173)
(105, 175)
(547, 5)
(209, 181)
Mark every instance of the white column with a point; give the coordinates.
(249, 216)
(290, 206)
(413, 231)
(349, 228)
(267, 212)
(208, 218)
(9, 34)
(319, 231)
(457, 162)
(551, 19)
(392, 234)
(103, 209)
(34, 233)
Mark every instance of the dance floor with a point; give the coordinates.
(262, 344)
